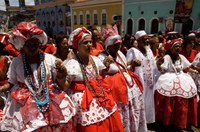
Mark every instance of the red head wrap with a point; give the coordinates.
(77, 36)
(171, 43)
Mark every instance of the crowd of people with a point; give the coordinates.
(98, 81)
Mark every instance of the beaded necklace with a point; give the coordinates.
(42, 102)
(83, 70)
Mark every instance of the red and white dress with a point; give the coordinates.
(94, 114)
(21, 111)
(147, 74)
(126, 89)
(196, 77)
(176, 96)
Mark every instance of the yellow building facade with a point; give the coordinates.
(95, 13)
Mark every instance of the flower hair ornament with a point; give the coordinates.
(77, 36)
(25, 31)
(110, 35)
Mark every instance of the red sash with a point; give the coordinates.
(105, 99)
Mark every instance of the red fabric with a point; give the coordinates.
(170, 43)
(26, 30)
(1, 114)
(4, 38)
(107, 100)
(111, 124)
(11, 50)
(29, 107)
(95, 50)
(137, 79)
(191, 56)
(62, 127)
(3, 63)
(3, 82)
(48, 48)
(176, 110)
(118, 86)
(3, 69)
(77, 37)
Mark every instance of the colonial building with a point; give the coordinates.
(3, 21)
(54, 16)
(158, 15)
(18, 13)
(97, 13)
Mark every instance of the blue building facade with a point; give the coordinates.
(53, 19)
(156, 15)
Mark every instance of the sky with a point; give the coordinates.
(14, 3)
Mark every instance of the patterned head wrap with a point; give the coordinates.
(77, 36)
(110, 35)
(25, 31)
(172, 43)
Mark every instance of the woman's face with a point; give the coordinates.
(31, 47)
(64, 44)
(113, 49)
(190, 45)
(85, 46)
(176, 49)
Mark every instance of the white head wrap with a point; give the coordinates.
(139, 34)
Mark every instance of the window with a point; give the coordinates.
(129, 26)
(154, 26)
(141, 25)
(81, 19)
(21, 3)
(103, 17)
(52, 15)
(87, 19)
(48, 15)
(187, 27)
(38, 16)
(75, 18)
(7, 3)
(95, 18)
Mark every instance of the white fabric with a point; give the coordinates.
(146, 72)
(132, 113)
(196, 77)
(74, 33)
(19, 42)
(139, 34)
(95, 111)
(196, 61)
(132, 91)
(174, 82)
(13, 119)
(111, 40)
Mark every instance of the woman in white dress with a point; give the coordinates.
(176, 92)
(35, 102)
(126, 87)
(96, 108)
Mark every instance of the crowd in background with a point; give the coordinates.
(99, 81)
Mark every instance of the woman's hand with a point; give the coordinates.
(60, 68)
(135, 63)
(108, 60)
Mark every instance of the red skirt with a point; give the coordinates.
(110, 124)
(176, 110)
